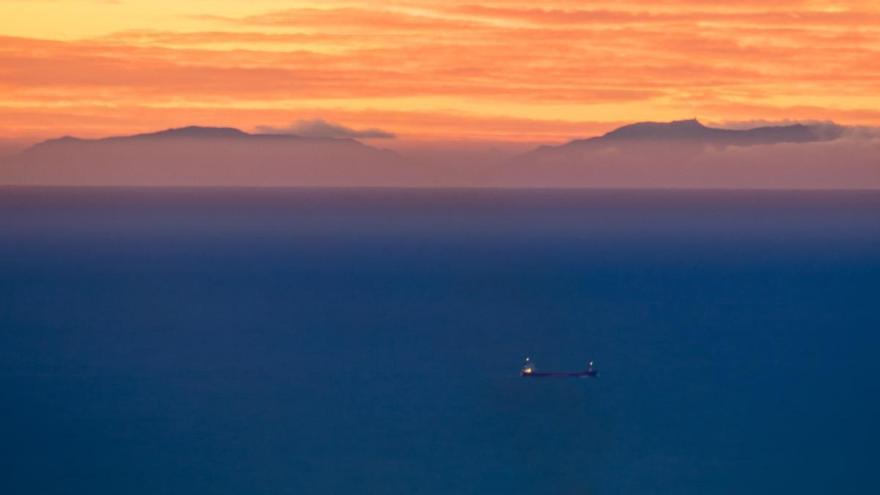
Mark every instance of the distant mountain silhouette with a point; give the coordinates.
(193, 132)
(693, 133)
(189, 132)
(680, 154)
(693, 130)
(206, 156)
(686, 153)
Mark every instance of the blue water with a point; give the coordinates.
(329, 342)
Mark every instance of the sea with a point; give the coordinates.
(369, 341)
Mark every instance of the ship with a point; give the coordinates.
(529, 370)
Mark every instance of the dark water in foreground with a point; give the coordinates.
(330, 342)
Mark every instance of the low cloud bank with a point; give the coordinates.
(823, 129)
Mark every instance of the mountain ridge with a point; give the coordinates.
(688, 154)
(193, 132)
(695, 131)
(201, 155)
(684, 153)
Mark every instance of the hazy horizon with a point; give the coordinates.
(680, 154)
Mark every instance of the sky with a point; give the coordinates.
(432, 71)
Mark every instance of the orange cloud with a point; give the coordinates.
(522, 72)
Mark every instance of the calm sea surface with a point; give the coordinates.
(256, 342)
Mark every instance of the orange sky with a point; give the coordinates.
(432, 70)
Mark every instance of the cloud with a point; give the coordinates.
(825, 129)
(320, 128)
(504, 62)
(753, 123)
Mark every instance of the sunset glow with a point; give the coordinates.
(452, 70)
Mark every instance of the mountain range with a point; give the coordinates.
(209, 156)
(682, 153)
